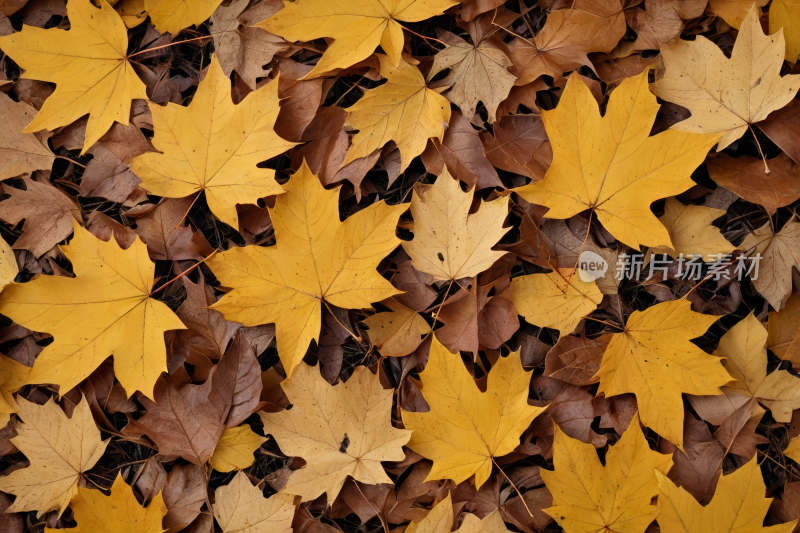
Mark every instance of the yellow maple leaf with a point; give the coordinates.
(402, 110)
(241, 507)
(611, 165)
(792, 451)
(88, 64)
(691, 232)
(745, 347)
(341, 430)
(235, 449)
(738, 505)
(399, 332)
(357, 27)
(171, 16)
(654, 360)
(12, 377)
(589, 497)
(780, 253)
(214, 146)
(438, 520)
(785, 14)
(449, 243)
(465, 428)
(784, 330)
(726, 95)
(316, 258)
(549, 301)
(59, 449)
(8, 265)
(119, 512)
(104, 310)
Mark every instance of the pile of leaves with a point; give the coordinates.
(312, 266)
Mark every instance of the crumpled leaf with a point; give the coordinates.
(241, 508)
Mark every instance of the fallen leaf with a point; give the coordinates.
(615, 496)
(691, 232)
(782, 128)
(699, 465)
(106, 309)
(171, 16)
(184, 495)
(94, 78)
(232, 140)
(438, 520)
(241, 508)
(745, 176)
(339, 258)
(519, 145)
(60, 449)
(20, 153)
(734, 12)
(621, 177)
(459, 444)
(783, 328)
(402, 110)
(654, 360)
(449, 243)
(576, 360)
(568, 407)
(339, 430)
(235, 449)
(399, 332)
(726, 95)
(357, 28)
(779, 253)
(167, 237)
(661, 21)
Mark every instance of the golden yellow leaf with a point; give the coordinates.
(20, 153)
(341, 430)
(466, 428)
(402, 110)
(780, 252)
(786, 14)
(492, 523)
(438, 520)
(88, 64)
(548, 301)
(784, 330)
(589, 497)
(214, 146)
(745, 347)
(726, 95)
(733, 11)
(59, 449)
(397, 333)
(357, 27)
(316, 258)
(8, 265)
(119, 512)
(132, 12)
(738, 505)
(611, 165)
(449, 243)
(792, 451)
(242, 508)
(105, 310)
(171, 16)
(12, 377)
(691, 232)
(235, 449)
(654, 360)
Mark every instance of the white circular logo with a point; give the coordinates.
(591, 266)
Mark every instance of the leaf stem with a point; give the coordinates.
(70, 160)
(423, 37)
(358, 338)
(187, 211)
(578, 260)
(170, 282)
(167, 45)
(515, 487)
(436, 316)
(766, 168)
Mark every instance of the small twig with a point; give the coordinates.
(190, 208)
(170, 282)
(348, 90)
(436, 316)
(70, 160)
(515, 487)
(170, 44)
(422, 36)
(515, 34)
(604, 322)
(766, 168)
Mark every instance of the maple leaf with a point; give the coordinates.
(478, 73)
(106, 309)
(338, 265)
(691, 231)
(438, 520)
(661, 21)
(726, 95)
(792, 451)
(459, 442)
(171, 16)
(734, 12)
(94, 78)
(783, 128)
(48, 213)
(612, 496)
(738, 504)
(745, 348)
(8, 265)
(241, 48)
(785, 14)
(59, 449)
(654, 360)
(20, 153)
(396, 333)
(610, 165)
(576, 360)
(449, 243)
(235, 448)
(402, 110)
(341, 430)
(554, 300)
(519, 145)
(214, 146)
(12, 376)
(240, 507)
(783, 329)
(779, 253)
(166, 236)
(745, 177)
(356, 27)
(119, 511)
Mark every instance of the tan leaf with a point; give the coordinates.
(20, 153)
(242, 508)
(779, 253)
(399, 332)
(691, 232)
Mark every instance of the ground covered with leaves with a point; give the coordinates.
(320, 266)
